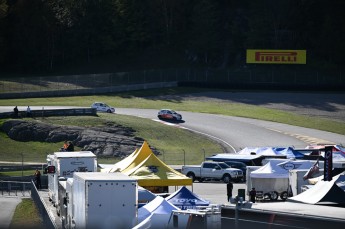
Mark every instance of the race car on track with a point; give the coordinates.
(103, 107)
(167, 114)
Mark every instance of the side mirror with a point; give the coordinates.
(49, 169)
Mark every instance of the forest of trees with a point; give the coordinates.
(46, 36)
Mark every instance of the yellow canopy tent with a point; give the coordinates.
(149, 170)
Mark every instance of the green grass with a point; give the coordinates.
(177, 146)
(26, 215)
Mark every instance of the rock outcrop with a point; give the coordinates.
(108, 140)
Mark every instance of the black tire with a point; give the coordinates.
(191, 176)
(284, 195)
(109, 111)
(274, 195)
(226, 178)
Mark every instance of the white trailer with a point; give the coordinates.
(296, 180)
(63, 165)
(272, 179)
(101, 200)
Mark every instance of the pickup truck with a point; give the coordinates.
(210, 170)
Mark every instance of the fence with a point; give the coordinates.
(15, 188)
(124, 81)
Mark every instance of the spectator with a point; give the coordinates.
(15, 110)
(65, 145)
(70, 147)
(28, 112)
(229, 188)
(37, 179)
(252, 195)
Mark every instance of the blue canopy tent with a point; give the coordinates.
(185, 199)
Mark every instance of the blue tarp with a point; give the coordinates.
(185, 199)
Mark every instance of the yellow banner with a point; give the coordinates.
(260, 56)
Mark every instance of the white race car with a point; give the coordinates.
(103, 107)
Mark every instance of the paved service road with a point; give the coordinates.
(8, 205)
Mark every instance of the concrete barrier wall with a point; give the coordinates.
(52, 112)
(48, 220)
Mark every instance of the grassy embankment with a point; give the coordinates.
(26, 216)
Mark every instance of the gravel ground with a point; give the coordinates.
(325, 105)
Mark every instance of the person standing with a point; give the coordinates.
(252, 195)
(15, 110)
(37, 177)
(28, 112)
(229, 188)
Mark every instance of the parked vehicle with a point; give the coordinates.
(211, 170)
(103, 107)
(168, 114)
(100, 200)
(238, 165)
(62, 165)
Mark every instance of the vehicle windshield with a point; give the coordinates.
(224, 166)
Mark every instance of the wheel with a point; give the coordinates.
(274, 195)
(108, 111)
(267, 196)
(160, 117)
(226, 178)
(284, 195)
(191, 176)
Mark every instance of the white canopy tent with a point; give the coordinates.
(273, 178)
(155, 213)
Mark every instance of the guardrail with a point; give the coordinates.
(52, 112)
(13, 188)
(47, 218)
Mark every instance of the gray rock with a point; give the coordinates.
(111, 140)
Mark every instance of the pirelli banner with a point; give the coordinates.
(261, 56)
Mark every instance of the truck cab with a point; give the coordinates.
(211, 170)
